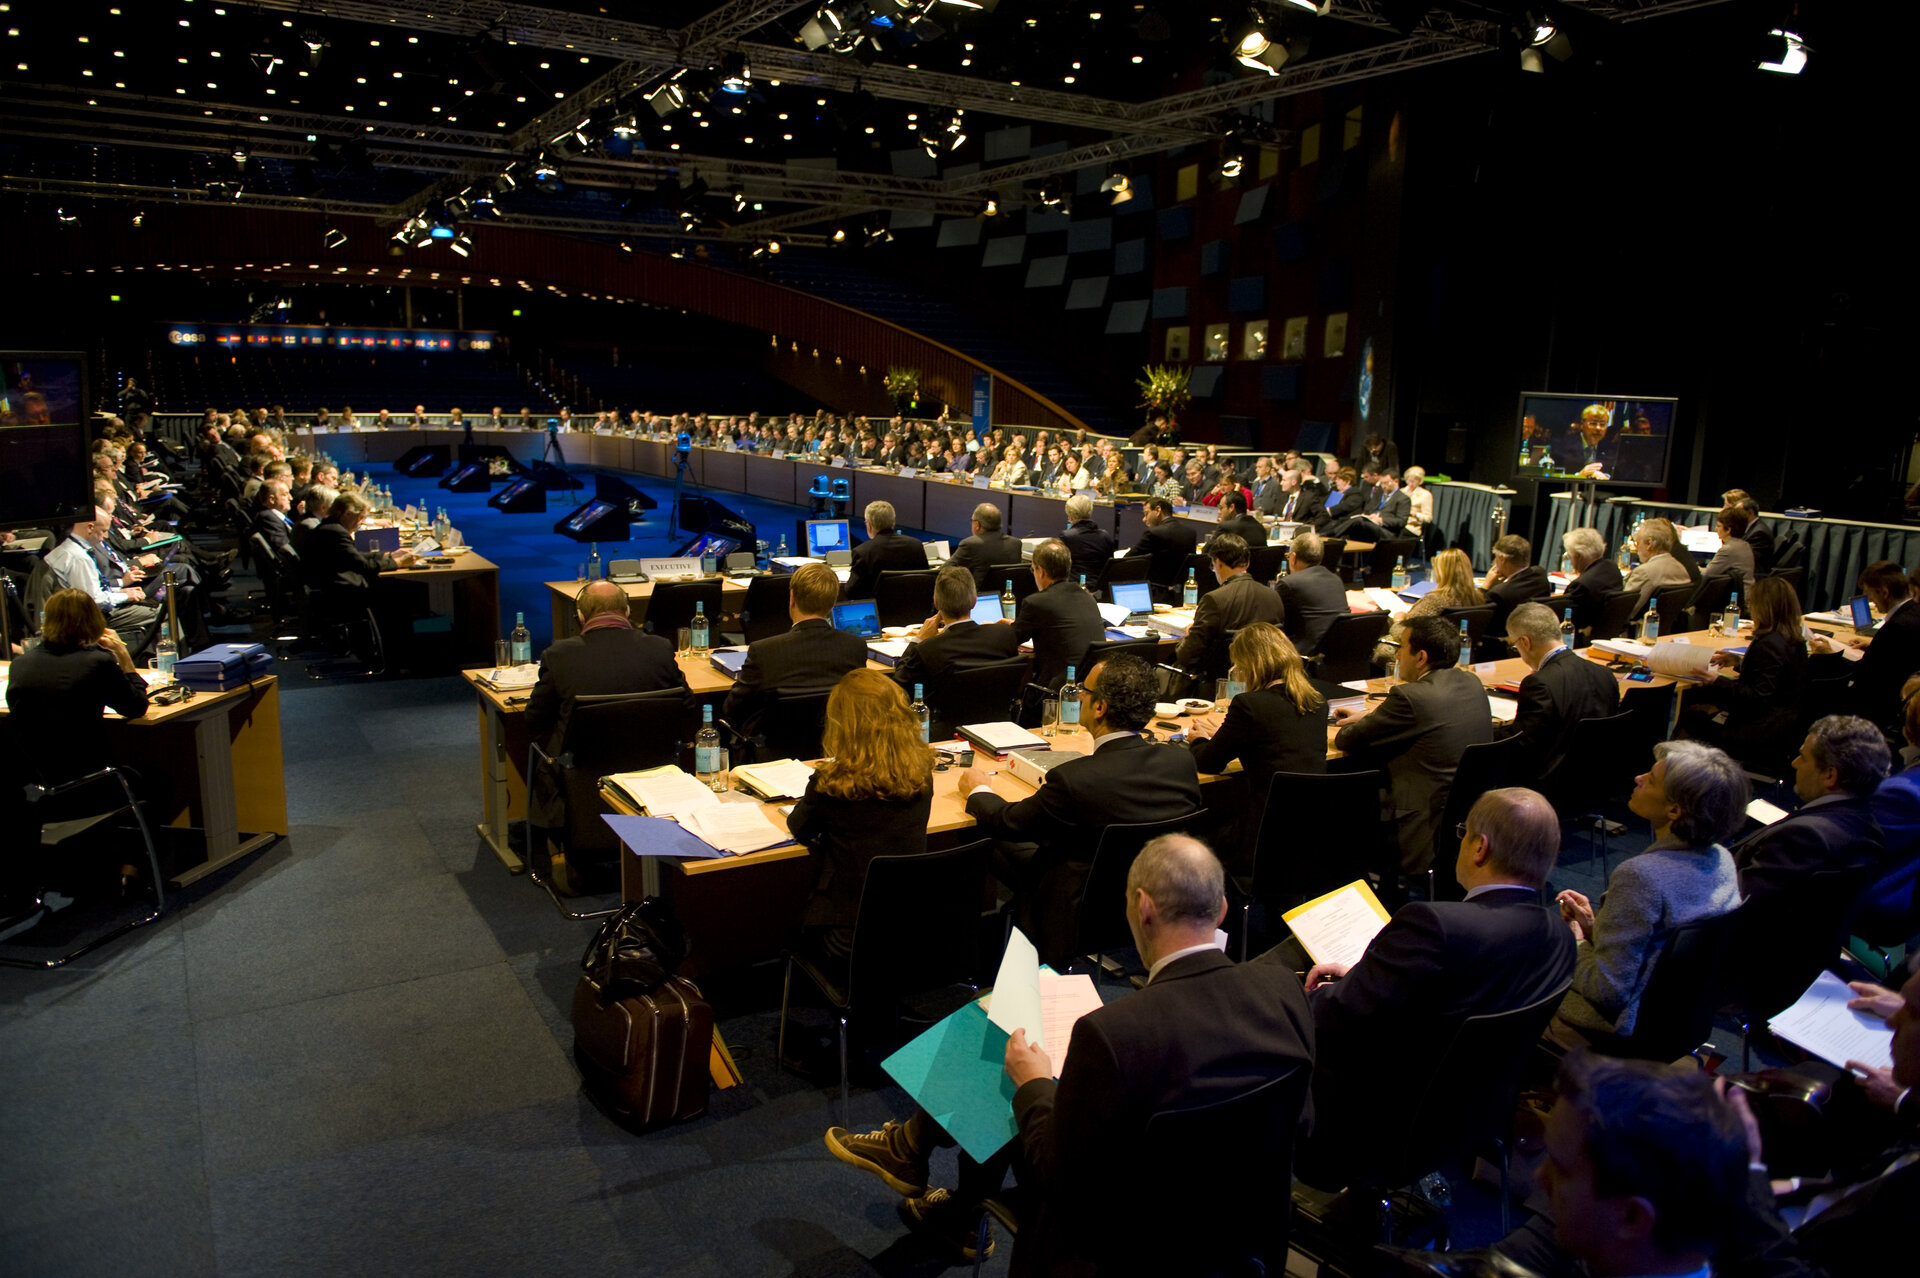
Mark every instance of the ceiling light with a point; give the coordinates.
(678, 252)
(826, 27)
(316, 45)
(1121, 187)
(773, 246)
(739, 199)
(422, 234)
(69, 219)
(506, 181)
(543, 169)
(1531, 61)
(734, 73)
(139, 220)
(240, 153)
(626, 125)
(1539, 32)
(1793, 58)
(625, 247)
(669, 97)
(1232, 165)
(1311, 6)
(462, 244)
(265, 61)
(839, 235)
(1260, 53)
(335, 237)
(989, 207)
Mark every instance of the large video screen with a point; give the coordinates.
(1625, 439)
(45, 478)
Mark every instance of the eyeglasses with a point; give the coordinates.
(1460, 830)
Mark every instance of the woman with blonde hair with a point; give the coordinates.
(1011, 471)
(1452, 588)
(870, 798)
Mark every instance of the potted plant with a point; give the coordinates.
(1163, 393)
(904, 385)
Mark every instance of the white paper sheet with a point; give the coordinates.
(1064, 1000)
(1822, 1023)
(1505, 709)
(735, 827)
(1765, 813)
(1338, 927)
(777, 777)
(1016, 991)
(665, 792)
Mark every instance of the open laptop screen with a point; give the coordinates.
(1136, 595)
(861, 617)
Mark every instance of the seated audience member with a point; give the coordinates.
(1383, 514)
(1452, 588)
(1090, 546)
(1060, 618)
(987, 546)
(1168, 544)
(609, 656)
(1888, 661)
(1419, 501)
(884, 550)
(1045, 842)
(58, 689)
(1292, 503)
(1735, 556)
(1311, 592)
(1266, 487)
(1417, 732)
(1203, 1030)
(1561, 688)
(270, 517)
(1757, 535)
(1279, 724)
(1341, 504)
(1514, 579)
(948, 642)
(1595, 576)
(1010, 471)
(809, 657)
(1235, 519)
(319, 501)
(1694, 797)
(1433, 966)
(870, 798)
(1891, 907)
(332, 561)
(1238, 601)
(1655, 543)
(76, 565)
(1756, 717)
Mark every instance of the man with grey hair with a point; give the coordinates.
(1561, 689)
(1595, 576)
(1429, 969)
(1059, 617)
(1203, 1030)
(1090, 545)
(987, 546)
(884, 550)
(1312, 593)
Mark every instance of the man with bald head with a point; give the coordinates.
(609, 655)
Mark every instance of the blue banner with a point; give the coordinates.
(230, 337)
(982, 404)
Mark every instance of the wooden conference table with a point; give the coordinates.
(566, 621)
(217, 757)
(466, 590)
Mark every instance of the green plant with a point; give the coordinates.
(1164, 386)
(904, 385)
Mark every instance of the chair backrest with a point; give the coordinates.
(904, 598)
(1796, 577)
(1385, 555)
(1347, 648)
(1263, 562)
(1684, 989)
(622, 732)
(1021, 575)
(1100, 916)
(1225, 1221)
(1600, 763)
(672, 603)
(1485, 766)
(41, 583)
(1145, 649)
(1333, 551)
(764, 611)
(1652, 711)
(1120, 572)
(1476, 618)
(1710, 600)
(987, 692)
(791, 726)
(915, 928)
(1783, 940)
(1789, 552)
(1669, 603)
(1616, 612)
(1318, 832)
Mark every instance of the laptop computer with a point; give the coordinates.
(859, 617)
(1863, 622)
(1137, 597)
(986, 610)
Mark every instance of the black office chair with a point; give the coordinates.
(763, 613)
(1346, 651)
(1145, 649)
(1121, 572)
(1782, 942)
(1711, 599)
(598, 736)
(1796, 577)
(1203, 578)
(988, 692)
(914, 932)
(1476, 618)
(1318, 832)
(672, 603)
(1670, 604)
(1385, 555)
(790, 727)
(904, 598)
(1683, 991)
(1486, 766)
(1601, 761)
(1100, 916)
(1616, 614)
(1264, 562)
(1021, 575)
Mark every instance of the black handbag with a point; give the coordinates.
(635, 950)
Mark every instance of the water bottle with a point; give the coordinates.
(1567, 634)
(522, 641)
(1190, 593)
(921, 714)
(698, 639)
(1526, 453)
(781, 553)
(1008, 604)
(593, 563)
(1399, 574)
(706, 751)
(1466, 644)
(1070, 702)
(1083, 581)
(1625, 558)
(1650, 625)
(1730, 619)
(1546, 461)
(165, 653)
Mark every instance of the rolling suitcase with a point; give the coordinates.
(642, 1037)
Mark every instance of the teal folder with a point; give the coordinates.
(956, 1071)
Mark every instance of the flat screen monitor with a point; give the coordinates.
(861, 617)
(827, 534)
(1135, 596)
(1863, 622)
(708, 546)
(986, 610)
(513, 490)
(1630, 437)
(45, 475)
(586, 514)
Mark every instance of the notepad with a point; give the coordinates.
(1001, 737)
(1822, 1023)
(1338, 927)
(664, 792)
(1766, 813)
(775, 779)
(1383, 599)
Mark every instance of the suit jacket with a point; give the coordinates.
(1530, 585)
(1267, 733)
(1295, 506)
(1394, 512)
(1247, 528)
(843, 836)
(889, 552)
(1776, 862)
(931, 663)
(1429, 969)
(1332, 520)
(1585, 592)
(1238, 601)
(56, 694)
(600, 662)
(1734, 556)
(1388, 457)
(1267, 495)
(1567, 689)
(1417, 735)
(1204, 1030)
(1091, 547)
(272, 525)
(1314, 599)
(1889, 659)
(1062, 621)
(331, 560)
(810, 657)
(1169, 545)
(982, 552)
(1760, 538)
(1763, 704)
(1661, 570)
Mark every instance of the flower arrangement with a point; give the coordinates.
(1164, 387)
(904, 385)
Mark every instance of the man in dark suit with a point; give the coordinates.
(1044, 843)
(332, 561)
(1168, 543)
(1294, 502)
(1060, 618)
(884, 550)
(951, 641)
(1341, 503)
(1266, 487)
(1561, 689)
(1203, 1030)
(1090, 545)
(1418, 732)
(1234, 519)
(318, 501)
(1312, 594)
(1757, 534)
(1237, 601)
(1436, 964)
(1515, 580)
(608, 656)
(1889, 660)
(1383, 514)
(810, 657)
(1595, 577)
(270, 517)
(987, 546)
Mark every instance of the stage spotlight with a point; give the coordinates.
(1048, 196)
(626, 125)
(507, 181)
(739, 199)
(1232, 165)
(988, 5)
(1792, 56)
(1260, 53)
(678, 252)
(839, 237)
(543, 168)
(240, 153)
(335, 237)
(266, 62)
(1546, 37)
(316, 45)
(1320, 7)
(989, 207)
(625, 247)
(1531, 61)
(461, 244)
(773, 245)
(457, 205)
(484, 206)
(734, 72)
(139, 219)
(669, 97)
(66, 218)
(826, 27)
(1120, 186)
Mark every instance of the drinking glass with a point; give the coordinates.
(722, 772)
(683, 639)
(1050, 717)
(502, 653)
(1224, 691)
(580, 571)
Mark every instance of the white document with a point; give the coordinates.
(1338, 927)
(1113, 614)
(1681, 660)
(1064, 1000)
(1016, 990)
(895, 648)
(1003, 736)
(791, 562)
(509, 677)
(1135, 632)
(1356, 705)
(777, 777)
(1172, 623)
(1383, 599)
(1765, 813)
(1623, 648)
(1358, 685)
(735, 827)
(1505, 709)
(899, 632)
(666, 792)
(1822, 1023)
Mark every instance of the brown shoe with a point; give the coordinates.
(885, 1153)
(940, 1216)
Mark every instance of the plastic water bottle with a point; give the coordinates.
(593, 563)
(522, 641)
(1399, 574)
(921, 714)
(1526, 454)
(706, 751)
(1070, 701)
(1567, 632)
(1650, 624)
(1008, 604)
(781, 553)
(1190, 593)
(1625, 558)
(1466, 644)
(165, 653)
(1730, 619)
(697, 640)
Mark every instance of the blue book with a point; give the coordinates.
(1413, 593)
(728, 661)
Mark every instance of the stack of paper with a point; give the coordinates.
(664, 792)
(511, 678)
(1822, 1023)
(736, 827)
(775, 779)
(1338, 927)
(1001, 737)
(1385, 600)
(1505, 709)
(1172, 623)
(1623, 648)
